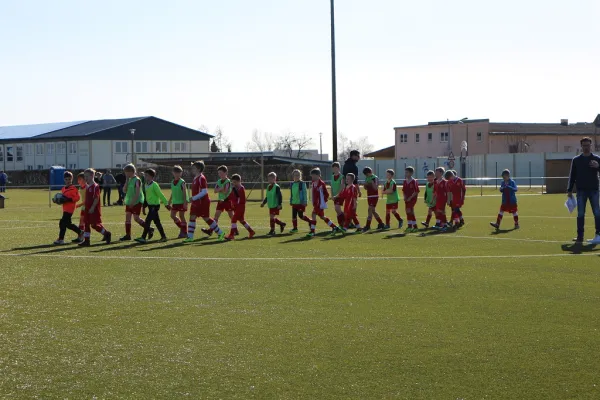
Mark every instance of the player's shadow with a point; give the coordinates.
(502, 231)
(167, 247)
(38, 247)
(263, 237)
(304, 238)
(578, 248)
(395, 235)
(111, 247)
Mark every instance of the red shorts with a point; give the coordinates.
(319, 212)
(200, 209)
(299, 207)
(135, 210)
(349, 214)
(373, 201)
(82, 214)
(224, 205)
(93, 219)
(338, 202)
(456, 205)
(238, 214)
(509, 208)
(432, 209)
(392, 206)
(178, 207)
(441, 206)
(273, 211)
(412, 205)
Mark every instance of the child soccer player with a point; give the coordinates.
(440, 194)
(320, 196)
(338, 184)
(238, 193)
(93, 212)
(178, 201)
(457, 190)
(410, 191)
(81, 186)
(223, 190)
(429, 197)
(508, 188)
(154, 196)
(393, 198)
(298, 199)
(200, 203)
(372, 187)
(350, 196)
(134, 201)
(274, 200)
(71, 197)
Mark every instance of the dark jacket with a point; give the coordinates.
(582, 175)
(350, 167)
(120, 178)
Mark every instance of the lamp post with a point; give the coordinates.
(463, 159)
(132, 131)
(333, 85)
(321, 144)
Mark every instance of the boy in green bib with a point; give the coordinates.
(298, 199)
(134, 200)
(223, 190)
(274, 200)
(392, 197)
(338, 184)
(429, 199)
(178, 201)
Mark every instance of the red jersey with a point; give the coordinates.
(372, 187)
(72, 193)
(440, 191)
(198, 184)
(410, 188)
(320, 195)
(458, 189)
(92, 192)
(238, 196)
(350, 196)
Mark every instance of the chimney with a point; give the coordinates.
(564, 122)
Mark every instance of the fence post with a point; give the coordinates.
(529, 174)
(49, 196)
(495, 176)
(262, 176)
(481, 187)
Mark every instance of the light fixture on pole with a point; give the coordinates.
(333, 85)
(132, 131)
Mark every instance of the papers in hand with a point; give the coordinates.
(571, 204)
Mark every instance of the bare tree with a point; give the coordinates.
(345, 146)
(261, 142)
(221, 140)
(293, 144)
(517, 143)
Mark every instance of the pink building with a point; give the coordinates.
(439, 139)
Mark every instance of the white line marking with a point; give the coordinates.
(502, 238)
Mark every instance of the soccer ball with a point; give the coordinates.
(59, 198)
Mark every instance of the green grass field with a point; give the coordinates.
(465, 315)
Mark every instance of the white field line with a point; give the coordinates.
(450, 236)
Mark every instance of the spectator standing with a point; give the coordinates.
(121, 179)
(108, 181)
(3, 181)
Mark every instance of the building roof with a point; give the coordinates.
(536, 129)
(146, 128)
(447, 122)
(388, 152)
(235, 159)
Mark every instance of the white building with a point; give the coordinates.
(99, 144)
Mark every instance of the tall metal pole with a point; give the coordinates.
(333, 86)
(132, 131)
(321, 144)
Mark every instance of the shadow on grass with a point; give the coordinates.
(395, 235)
(173, 245)
(38, 247)
(113, 247)
(579, 248)
(501, 231)
(304, 238)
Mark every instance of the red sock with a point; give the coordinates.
(428, 218)
(278, 222)
(356, 221)
(516, 218)
(369, 222)
(272, 224)
(295, 223)
(397, 216)
(127, 229)
(378, 218)
(499, 219)
(388, 218)
(340, 219)
(100, 229)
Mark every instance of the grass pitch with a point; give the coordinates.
(466, 315)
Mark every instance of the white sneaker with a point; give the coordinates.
(595, 240)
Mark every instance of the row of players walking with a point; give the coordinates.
(443, 189)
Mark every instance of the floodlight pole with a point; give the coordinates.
(132, 131)
(333, 86)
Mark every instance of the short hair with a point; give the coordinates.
(129, 167)
(354, 153)
(506, 172)
(68, 174)
(177, 168)
(336, 164)
(585, 139)
(441, 170)
(236, 177)
(222, 168)
(315, 171)
(297, 172)
(410, 169)
(391, 172)
(448, 174)
(199, 165)
(272, 175)
(454, 172)
(150, 172)
(430, 173)
(367, 170)
(81, 175)
(90, 171)
(351, 175)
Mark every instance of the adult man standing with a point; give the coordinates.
(121, 179)
(3, 181)
(584, 175)
(108, 181)
(350, 166)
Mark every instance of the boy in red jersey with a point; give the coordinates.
(70, 197)
(274, 200)
(350, 197)
(179, 201)
(338, 184)
(440, 194)
(429, 197)
(93, 212)
(238, 194)
(200, 203)
(410, 190)
(320, 196)
(372, 187)
(81, 185)
(509, 189)
(457, 191)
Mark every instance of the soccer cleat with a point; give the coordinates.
(59, 242)
(230, 237)
(494, 225)
(182, 235)
(595, 240)
(386, 227)
(163, 240)
(107, 237)
(425, 224)
(125, 238)
(381, 226)
(295, 230)
(517, 226)
(578, 239)
(221, 237)
(351, 226)
(141, 240)
(77, 240)
(310, 235)
(462, 223)
(85, 243)
(150, 233)
(271, 232)
(366, 229)
(237, 233)
(400, 223)
(207, 231)
(251, 234)
(282, 227)
(188, 240)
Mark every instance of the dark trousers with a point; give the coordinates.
(106, 196)
(66, 223)
(153, 216)
(583, 196)
(2, 187)
(121, 194)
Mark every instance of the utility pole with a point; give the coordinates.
(333, 85)
(132, 131)
(321, 144)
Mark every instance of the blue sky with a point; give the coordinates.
(265, 64)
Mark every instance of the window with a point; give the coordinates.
(479, 136)
(9, 153)
(121, 147)
(180, 147)
(49, 148)
(119, 166)
(404, 138)
(61, 148)
(29, 149)
(417, 138)
(40, 167)
(1, 154)
(430, 137)
(19, 152)
(72, 148)
(141, 147)
(39, 149)
(72, 166)
(160, 147)
(568, 149)
(444, 137)
(30, 168)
